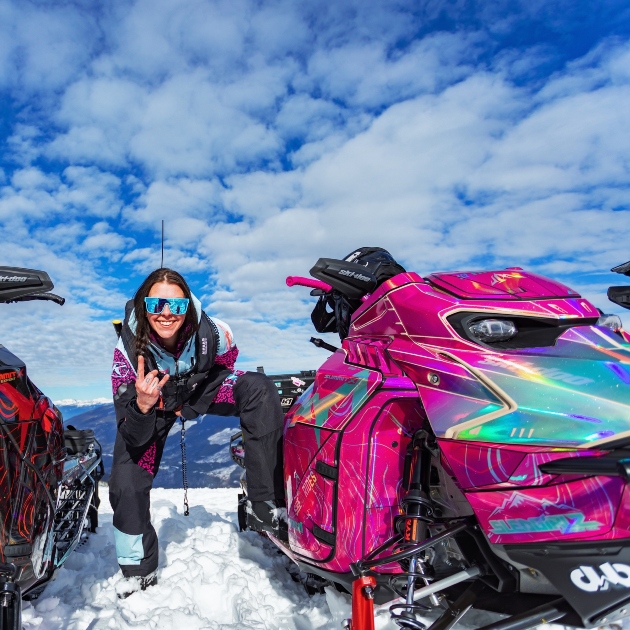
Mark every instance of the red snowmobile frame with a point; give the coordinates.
(48, 476)
(468, 445)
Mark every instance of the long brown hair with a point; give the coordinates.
(143, 328)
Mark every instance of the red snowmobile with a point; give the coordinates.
(48, 476)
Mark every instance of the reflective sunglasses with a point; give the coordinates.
(155, 305)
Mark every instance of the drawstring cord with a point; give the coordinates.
(182, 443)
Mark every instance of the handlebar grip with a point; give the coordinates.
(308, 282)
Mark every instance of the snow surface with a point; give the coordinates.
(210, 576)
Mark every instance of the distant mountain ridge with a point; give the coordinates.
(70, 407)
(207, 440)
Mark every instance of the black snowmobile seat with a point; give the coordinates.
(352, 278)
(18, 284)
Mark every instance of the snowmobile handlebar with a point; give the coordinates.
(308, 282)
(57, 299)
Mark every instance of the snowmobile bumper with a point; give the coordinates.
(593, 577)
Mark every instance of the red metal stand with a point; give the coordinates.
(363, 603)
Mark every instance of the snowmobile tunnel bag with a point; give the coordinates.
(16, 282)
(78, 441)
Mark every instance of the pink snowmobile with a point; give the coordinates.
(468, 445)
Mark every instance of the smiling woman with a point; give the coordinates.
(172, 360)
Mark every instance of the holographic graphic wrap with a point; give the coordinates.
(506, 284)
(368, 452)
(310, 496)
(338, 392)
(585, 508)
(575, 394)
(498, 415)
(476, 465)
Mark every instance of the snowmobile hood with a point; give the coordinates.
(575, 393)
(505, 284)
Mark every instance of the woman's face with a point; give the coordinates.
(165, 324)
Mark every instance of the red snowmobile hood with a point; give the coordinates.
(505, 284)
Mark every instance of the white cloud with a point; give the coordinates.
(269, 135)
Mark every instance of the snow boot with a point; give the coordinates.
(264, 516)
(129, 586)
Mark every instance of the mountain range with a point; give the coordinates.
(207, 441)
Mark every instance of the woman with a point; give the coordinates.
(173, 360)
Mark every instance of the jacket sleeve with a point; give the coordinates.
(136, 428)
(227, 352)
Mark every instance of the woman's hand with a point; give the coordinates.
(148, 387)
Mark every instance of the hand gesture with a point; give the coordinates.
(148, 388)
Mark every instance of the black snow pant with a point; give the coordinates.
(257, 404)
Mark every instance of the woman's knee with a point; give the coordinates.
(254, 385)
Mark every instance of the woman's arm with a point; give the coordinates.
(137, 428)
(227, 352)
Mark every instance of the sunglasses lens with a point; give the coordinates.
(177, 306)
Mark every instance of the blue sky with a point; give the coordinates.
(267, 134)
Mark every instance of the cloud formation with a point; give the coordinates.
(457, 135)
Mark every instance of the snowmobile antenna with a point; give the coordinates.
(162, 263)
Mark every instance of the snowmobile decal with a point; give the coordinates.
(563, 523)
(595, 499)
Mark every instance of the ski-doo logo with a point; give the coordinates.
(353, 274)
(590, 580)
(13, 278)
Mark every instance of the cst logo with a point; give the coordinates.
(590, 580)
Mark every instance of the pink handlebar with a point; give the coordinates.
(307, 282)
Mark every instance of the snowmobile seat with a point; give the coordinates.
(352, 278)
(20, 285)
(78, 441)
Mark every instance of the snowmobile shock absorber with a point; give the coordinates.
(418, 512)
(363, 603)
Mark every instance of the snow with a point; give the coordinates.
(177, 427)
(71, 402)
(210, 576)
(222, 437)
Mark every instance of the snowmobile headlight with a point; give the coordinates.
(493, 330)
(610, 321)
